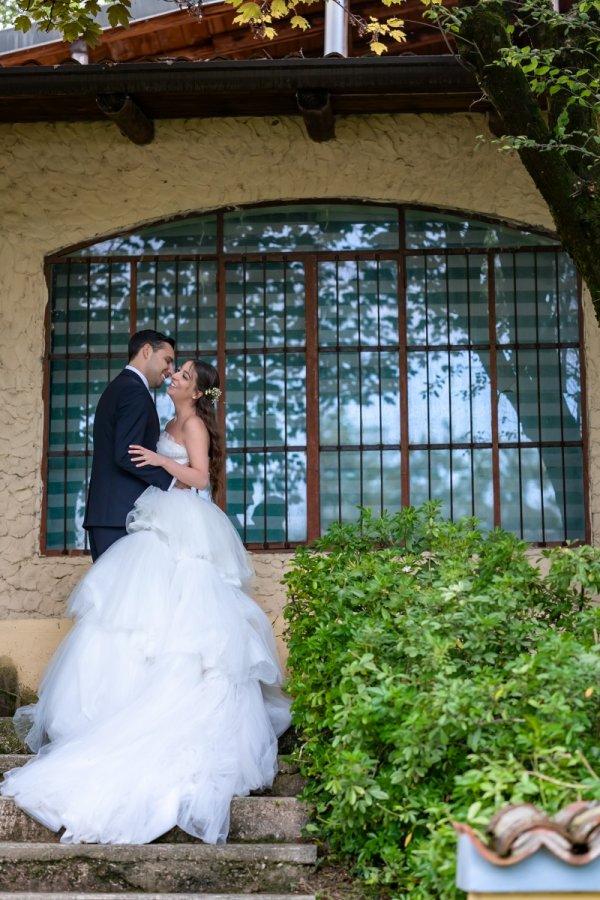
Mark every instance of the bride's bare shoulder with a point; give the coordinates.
(194, 426)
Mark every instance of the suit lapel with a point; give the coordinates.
(155, 420)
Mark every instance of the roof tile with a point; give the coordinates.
(518, 831)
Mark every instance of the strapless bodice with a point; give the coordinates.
(168, 446)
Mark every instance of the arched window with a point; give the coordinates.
(373, 356)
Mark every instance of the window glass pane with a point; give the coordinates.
(75, 388)
(518, 418)
(198, 235)
(70, 294)
(480, 463)
(532, 486)
(517, 314)
(520, 487)
(461, 479)
(69, 420)
(568, 303)
(179, 299)
(426, 228)
(550, 396)
(90, 308)
(194, 299)
(359, 401)
(351, 478)
(528, 385)
(266, 496)
(324, 226)
(447, 299)
(265, 304)
(358, 303)
(449, 397)
(67, 492)
(428, 398)
(430, 477)
(574, 493)
(570, 377)
(468, 288)
(266, 400)
(539, 395)
(549, 299)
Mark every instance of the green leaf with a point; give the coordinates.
(23, 23)
(118, 14)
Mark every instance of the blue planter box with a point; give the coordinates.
(540, 872)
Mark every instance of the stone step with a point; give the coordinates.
(154, 868)
(272, 819)
(288, 782)
(78, 896)
(9, 741)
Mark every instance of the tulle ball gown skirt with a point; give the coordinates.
(164, 700)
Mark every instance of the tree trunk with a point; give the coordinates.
(572, 200)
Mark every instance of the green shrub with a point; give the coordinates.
(437, 676)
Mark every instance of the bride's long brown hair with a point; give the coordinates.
(207, 377)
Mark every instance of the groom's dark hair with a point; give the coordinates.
(147, 336)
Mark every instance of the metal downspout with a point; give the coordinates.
(336, 28)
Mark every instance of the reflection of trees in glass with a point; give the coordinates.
(266, 395)
(331, 227)
(538, 389)
(267, 495)
(449, 390)
(351, 478)
(460, 478)
(90, 315)
(188, 235)
(359, 380)
(432, 231)
(359, 374)
(179, 298)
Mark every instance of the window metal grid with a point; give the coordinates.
(374, 361)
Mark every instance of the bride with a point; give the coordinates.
(163, 701)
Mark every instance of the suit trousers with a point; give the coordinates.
(101, 538)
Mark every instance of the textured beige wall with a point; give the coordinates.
(30, 643)
(69, 183)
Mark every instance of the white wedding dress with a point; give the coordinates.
(164, 700)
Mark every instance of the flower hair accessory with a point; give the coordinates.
(213, 394)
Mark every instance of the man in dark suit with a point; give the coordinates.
(126, 415)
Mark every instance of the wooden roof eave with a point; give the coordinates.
(184, 89)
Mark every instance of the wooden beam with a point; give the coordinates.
(131, 121)
(315, 106)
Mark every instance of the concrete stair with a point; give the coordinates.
(55, 895)
(266, 856)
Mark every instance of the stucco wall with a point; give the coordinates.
(64, 184)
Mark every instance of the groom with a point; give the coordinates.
(126, 415)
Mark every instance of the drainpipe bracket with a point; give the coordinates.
(130, 119)
(316, 110)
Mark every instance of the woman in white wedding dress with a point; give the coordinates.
(164, 700)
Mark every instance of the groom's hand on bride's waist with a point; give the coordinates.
(182, 486)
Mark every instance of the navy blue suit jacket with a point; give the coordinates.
(125, 415)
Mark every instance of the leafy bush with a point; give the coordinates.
(437, 676)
